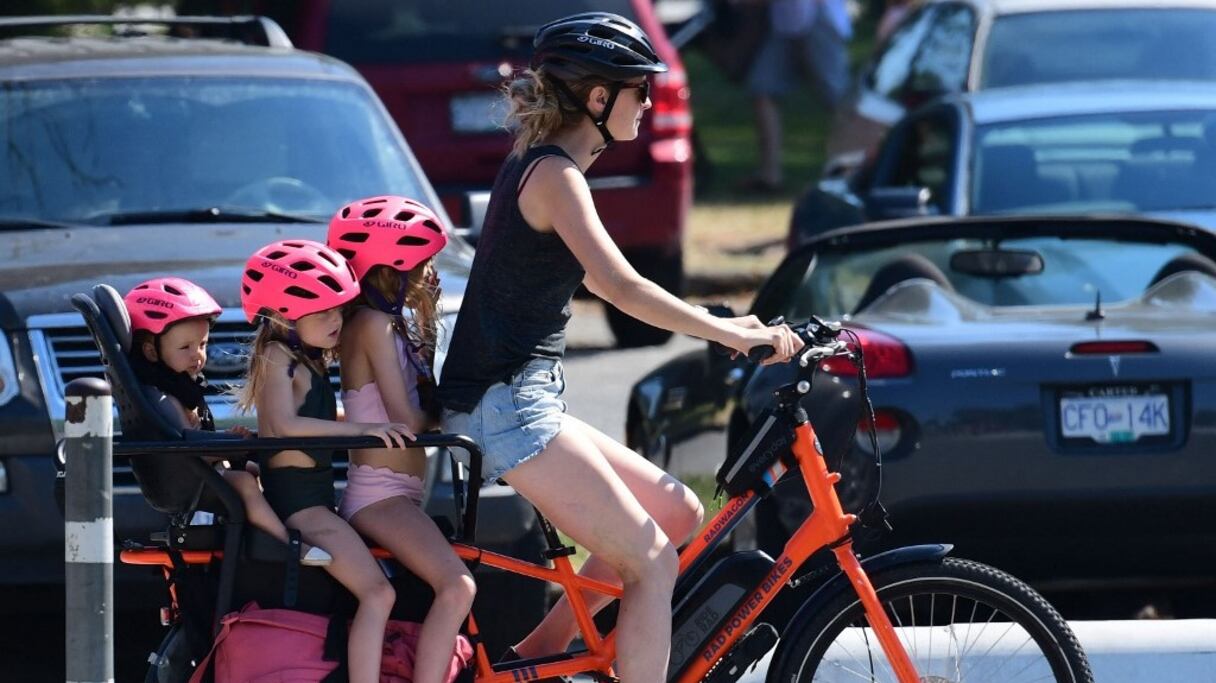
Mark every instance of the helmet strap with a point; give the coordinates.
(297, 347)
(384, 305)
(601, 123)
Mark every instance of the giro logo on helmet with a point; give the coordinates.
(154, 302)
(597, 42)
(385, 224)
(281, 270)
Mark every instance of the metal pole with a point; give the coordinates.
(88, 550)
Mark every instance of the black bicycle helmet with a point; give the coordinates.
(594, 44)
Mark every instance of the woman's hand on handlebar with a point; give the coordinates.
(782, 341)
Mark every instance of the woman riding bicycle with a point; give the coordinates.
(502, 380)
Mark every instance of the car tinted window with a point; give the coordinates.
(78, 150)
(940, 65)
(1146, 161)
(1050, 47)
(892, 67)
(427, 31)
(925, 157)
(1075, 270)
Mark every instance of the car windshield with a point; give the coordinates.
(1074, 271)
(1147, 161)
(430, 31)
(120, 150)
(1083, 45)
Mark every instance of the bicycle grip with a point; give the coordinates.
(760, 352)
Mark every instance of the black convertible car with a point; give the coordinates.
(1045, 391)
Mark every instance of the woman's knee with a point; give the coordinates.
(656, 561)
(682, 519)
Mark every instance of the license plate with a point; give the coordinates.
(1115, 419)
(477, 112)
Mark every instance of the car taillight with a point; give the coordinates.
(671, 113)
(1112, 348)
(886, 428)
(885, 356)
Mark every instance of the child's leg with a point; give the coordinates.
(353, 567)
(261, 515)
(257, 510)
(399, 526)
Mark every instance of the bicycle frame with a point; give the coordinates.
(827, 526)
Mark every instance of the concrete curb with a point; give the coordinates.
(1130, 651)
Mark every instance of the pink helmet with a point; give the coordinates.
(386, 231)
(160, 302)
(296, 278)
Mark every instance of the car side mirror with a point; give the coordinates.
(899, 202)
(475, 204)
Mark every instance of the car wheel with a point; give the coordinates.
(665, 271)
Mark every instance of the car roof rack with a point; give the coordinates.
(248, 29)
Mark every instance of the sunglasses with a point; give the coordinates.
(643, 89)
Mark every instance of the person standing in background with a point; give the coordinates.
(804, 35)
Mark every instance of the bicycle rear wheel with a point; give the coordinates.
(960, 622)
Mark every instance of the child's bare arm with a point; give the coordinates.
(276, 406)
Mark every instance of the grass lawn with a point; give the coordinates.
(733, 240)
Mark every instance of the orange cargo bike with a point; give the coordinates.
(909, 614)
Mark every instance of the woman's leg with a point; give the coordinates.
(674, 506)
(574, 485)
(353, 567)
(399, 526)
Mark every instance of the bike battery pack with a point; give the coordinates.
(704, 609)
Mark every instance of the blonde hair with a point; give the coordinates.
(274, 329)
(421, 297)
(536, 109)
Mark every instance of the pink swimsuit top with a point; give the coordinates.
(365, 403)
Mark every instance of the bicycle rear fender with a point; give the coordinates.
(837, 583)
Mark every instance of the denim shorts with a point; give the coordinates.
(515, 420)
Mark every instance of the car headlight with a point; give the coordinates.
(8, 373)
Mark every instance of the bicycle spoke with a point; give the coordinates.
(1001, 642)
(932, 604)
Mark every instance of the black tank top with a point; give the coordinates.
(517, 301)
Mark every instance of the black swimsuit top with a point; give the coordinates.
(321, 404)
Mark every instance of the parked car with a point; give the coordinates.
(440, 65)
(1044, 391)
(946, 46)
(130, 156)
(1127, 147)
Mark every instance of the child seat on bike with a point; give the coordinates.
(255, 566)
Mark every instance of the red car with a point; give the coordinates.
(439, 65)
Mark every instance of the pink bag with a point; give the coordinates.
(285, 646)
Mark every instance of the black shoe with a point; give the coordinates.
(511, 656)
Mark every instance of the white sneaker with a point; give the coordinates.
(316, 557)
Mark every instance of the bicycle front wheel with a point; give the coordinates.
(960, 622)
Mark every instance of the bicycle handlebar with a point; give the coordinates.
(820, 337)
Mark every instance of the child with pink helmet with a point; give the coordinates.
(387, 360)
(170, 324)
(296, 290)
